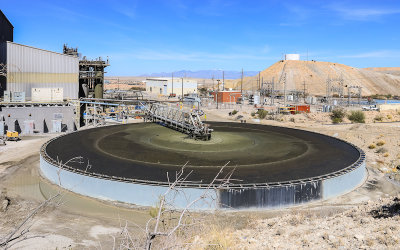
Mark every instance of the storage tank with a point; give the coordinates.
(292, 57)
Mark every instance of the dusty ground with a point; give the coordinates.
(364, 218)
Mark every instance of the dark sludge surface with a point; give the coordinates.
(257, 153)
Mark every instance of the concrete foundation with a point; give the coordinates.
(38, 119)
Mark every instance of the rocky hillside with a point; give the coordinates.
(387, 70)
(315, 75)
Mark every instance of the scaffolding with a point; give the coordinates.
(91, 74)
(334, 86)
(358, 94)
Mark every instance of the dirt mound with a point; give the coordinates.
(315, 75)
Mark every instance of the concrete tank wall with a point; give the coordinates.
(133, 193)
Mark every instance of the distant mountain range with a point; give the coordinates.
(217, 74)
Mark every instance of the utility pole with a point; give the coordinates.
(223, 80)
(216, 93)
(348, 96)
(262, 90)
(213, 83)
(241, 85)
(172, 84)
(328, 90)
(304, 90)
(273, 91)
(284, 88)
(182, 89)
(259, 80)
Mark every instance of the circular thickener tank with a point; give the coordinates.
(272, 166)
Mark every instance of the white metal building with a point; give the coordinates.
(29, 68)
(166, 86)
(292, 57)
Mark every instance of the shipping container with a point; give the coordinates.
(41, 95)
(47, 95)
(7, 96)
(57, 94)
(18, 97)
(300, 109)
(30, 68)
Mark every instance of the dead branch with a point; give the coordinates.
(218, 182)
(23, 228)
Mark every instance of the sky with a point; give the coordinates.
(141, 37)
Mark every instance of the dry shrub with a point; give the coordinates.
(337, 115)
(296, 219)
(389, 117)
(372, 146)
(380, 143)
(357, 116)
(262, 113)
(381, 150)
(386, 154)
(217, 238)
(369, 242)
(378, 118)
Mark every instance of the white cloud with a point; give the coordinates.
(153, 55)
(125, 8)
(362, 14)
(375, 54)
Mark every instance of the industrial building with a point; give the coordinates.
(40, 88)
(30, 68)
(171, 86)
(227, 96)
(91, 74)
(292, 57)
(6, 34)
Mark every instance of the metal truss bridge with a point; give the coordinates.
(178, 119)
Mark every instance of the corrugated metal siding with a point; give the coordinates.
(30, 67)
